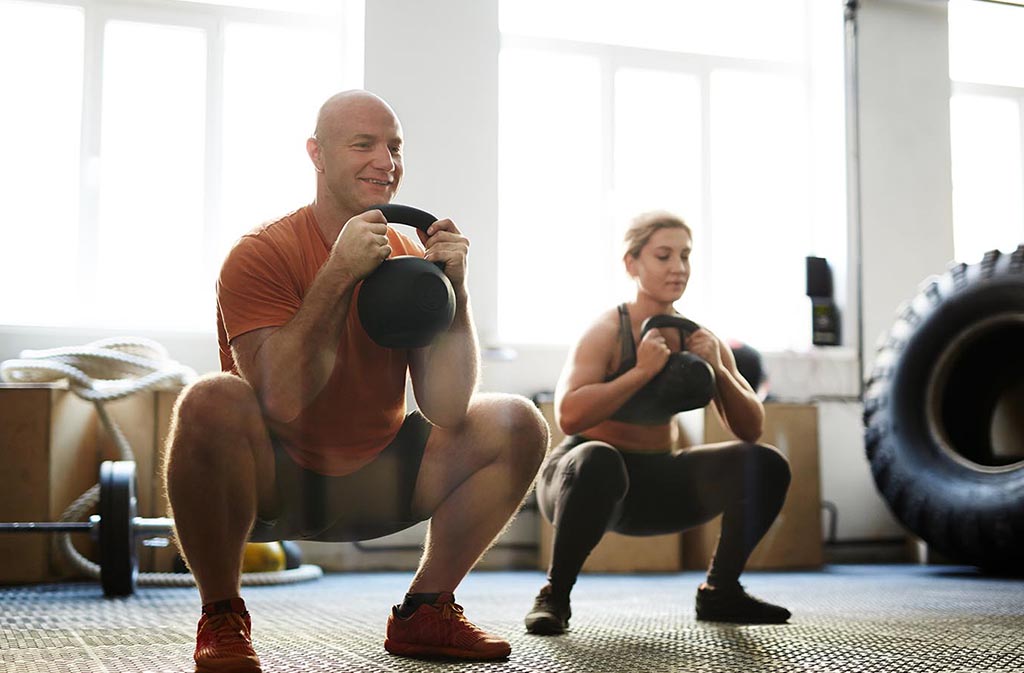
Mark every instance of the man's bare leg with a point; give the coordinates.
(474, 479)
(219, 473)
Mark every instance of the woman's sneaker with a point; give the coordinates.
(550, 614)
(730, 603)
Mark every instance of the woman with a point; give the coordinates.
(624, 476)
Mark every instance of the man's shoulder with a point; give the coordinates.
(278, 235)
(286, 226)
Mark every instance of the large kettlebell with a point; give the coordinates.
(685, 382)
(406, 301)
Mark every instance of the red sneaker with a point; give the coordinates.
(223, 644)
(441, 630)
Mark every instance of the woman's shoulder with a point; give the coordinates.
(603, 329)
(611, 318)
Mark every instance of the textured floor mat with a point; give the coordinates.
(846, 618)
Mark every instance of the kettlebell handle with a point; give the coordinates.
(686, 327)
(414, 217)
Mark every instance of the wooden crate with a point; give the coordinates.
(51, 447)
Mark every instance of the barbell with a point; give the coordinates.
(117, 528)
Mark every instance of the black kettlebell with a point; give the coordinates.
(406, 301)
(685, 382)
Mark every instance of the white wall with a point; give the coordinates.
(905, 176)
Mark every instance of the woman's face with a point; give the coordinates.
(662, 268)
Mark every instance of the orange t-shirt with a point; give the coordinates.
(361, 408)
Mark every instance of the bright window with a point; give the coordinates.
(549, 157)
(165, 129)
(739, 28)
(986, 122)
(151, 172)
(40, 135)
(722, 111)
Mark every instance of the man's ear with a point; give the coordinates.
(313, 150)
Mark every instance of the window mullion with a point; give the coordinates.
(89, 158)
(609, 66)
(707, 237)
(213, 183)
(1020, 121)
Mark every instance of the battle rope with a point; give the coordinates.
(104, 371)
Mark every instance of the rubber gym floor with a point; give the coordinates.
(858, 618)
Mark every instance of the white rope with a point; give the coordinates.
(104, 371)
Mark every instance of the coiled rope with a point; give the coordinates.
(101, 372)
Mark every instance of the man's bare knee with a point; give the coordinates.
(524, 434)
(214, 403)
(214, 418)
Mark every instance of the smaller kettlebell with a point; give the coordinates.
(406, 301)
(685, 382)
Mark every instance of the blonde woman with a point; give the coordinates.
(623, 476)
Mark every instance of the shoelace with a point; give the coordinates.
(449, 610)
(454, 611)
(226, 630)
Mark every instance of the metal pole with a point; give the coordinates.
(853, 198)
(46, 527)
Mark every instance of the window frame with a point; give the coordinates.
(1002, 92)
(212, 19)
(611, 58)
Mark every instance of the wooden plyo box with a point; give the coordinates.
(795, 539)
(614, 553)
(51, 446)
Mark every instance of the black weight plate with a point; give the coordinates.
(119, 566)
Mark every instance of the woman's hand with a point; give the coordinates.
(705, 345)
(652, 354)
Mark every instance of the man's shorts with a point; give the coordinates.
(373, 501)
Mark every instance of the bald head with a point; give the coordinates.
(346, 105)
(356, 150)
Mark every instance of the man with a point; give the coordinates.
(305, 433)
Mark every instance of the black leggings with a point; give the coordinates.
(588, 487)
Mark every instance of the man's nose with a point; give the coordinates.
(383, 159)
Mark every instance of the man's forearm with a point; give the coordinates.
(451, 368)
(296, 361)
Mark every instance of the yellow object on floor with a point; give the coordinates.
(263, 557)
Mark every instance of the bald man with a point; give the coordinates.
(304, 434)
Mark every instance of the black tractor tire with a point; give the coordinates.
(944, 413)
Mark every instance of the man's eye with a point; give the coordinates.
(663, 257)
(396, 150)
(362, 146)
